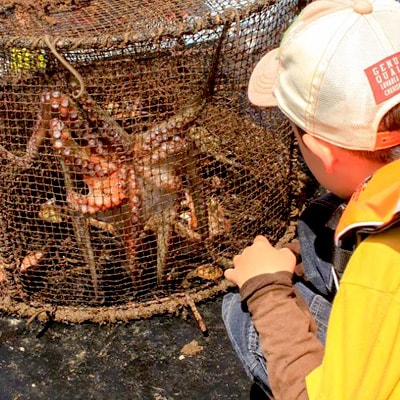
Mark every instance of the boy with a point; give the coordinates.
(336, 76)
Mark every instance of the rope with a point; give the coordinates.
(66, 64)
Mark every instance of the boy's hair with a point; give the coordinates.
(389, 122)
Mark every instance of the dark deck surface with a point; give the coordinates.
(138, 360)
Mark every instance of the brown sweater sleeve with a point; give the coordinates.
(288, 334)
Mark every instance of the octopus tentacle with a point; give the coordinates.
(83, 151)
(115, 135)
(132, 231)
(36, 139)
(165, 137)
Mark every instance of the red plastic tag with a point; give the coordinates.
(384, 78)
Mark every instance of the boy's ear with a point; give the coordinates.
(322, 150)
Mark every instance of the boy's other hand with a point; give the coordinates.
(260, 258)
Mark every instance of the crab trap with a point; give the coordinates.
(133, 167)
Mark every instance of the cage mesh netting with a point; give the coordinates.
(132, 165)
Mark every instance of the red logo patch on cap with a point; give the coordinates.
(384, 78)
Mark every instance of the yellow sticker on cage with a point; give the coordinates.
(22, 59)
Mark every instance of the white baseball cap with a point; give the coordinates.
(336, 72)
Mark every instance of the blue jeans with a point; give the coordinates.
(316, 240)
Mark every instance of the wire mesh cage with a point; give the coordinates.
(132, 165)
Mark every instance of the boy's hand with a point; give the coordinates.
(260, 258)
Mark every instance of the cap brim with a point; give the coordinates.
(262, 80)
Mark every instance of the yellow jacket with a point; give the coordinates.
(361, 360)
(362, 353)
